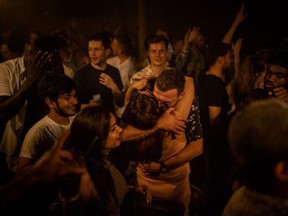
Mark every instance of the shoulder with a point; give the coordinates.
(189, 80)
(83, 69)
(13, 65)
(110, 67)
(113, 60)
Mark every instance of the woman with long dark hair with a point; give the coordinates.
(93, 134)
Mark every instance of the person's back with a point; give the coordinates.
(258, 139)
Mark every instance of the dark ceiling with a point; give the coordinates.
(266, 21)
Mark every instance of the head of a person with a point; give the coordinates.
(169, 88)
(99, 48)
(199, 41)
(121, 44)
(157, 49)
(59, 94)
(276, 71)
(142, 112)
(258, 139)
(44, 43)
(33, 35)
(93, 133)
(13, 47)
(221, 54)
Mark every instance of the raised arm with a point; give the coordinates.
(240, 17)
(10, 105)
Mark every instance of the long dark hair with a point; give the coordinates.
(142, 112)
(89, 133)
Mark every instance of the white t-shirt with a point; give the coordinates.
(12, 77)
(126, 69)
(41, 137)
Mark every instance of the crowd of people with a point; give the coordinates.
(197, 129)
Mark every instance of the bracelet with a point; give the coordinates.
(163, 167)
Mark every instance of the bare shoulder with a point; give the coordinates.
(189, 85)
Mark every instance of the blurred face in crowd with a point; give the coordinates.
(113, 139)
(116, 47)
(157, 54)
(228, 60)
(275, 76)
(97, 53)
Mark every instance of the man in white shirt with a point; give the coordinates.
(123, 61)
(18, 78)
(58, 92)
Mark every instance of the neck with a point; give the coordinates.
(215, 71)
(101, 66)
(62, 120)
(122, 58)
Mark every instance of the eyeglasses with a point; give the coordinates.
(279, 75)
(163, 105)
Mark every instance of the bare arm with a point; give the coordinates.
(11, 105)
(183, 106)
(167, 121)
(109, 83)
(215, 120)
(240, 17)
(191, 151)
(236, 50)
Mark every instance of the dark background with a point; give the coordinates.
(266, 21)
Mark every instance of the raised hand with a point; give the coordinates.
(240, 16)
(191, 35)
(37, 66)
(281, 93)
(107, 81)
(56, 62)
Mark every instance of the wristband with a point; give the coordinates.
(163, 167)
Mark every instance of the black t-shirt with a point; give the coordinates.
(212, 92)
(87, 84)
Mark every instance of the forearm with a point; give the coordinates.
(128, 94)
(191, 151)
(131, 133)
(184, 105)
(118, 97)
(10, 106)
(181, 60)
(229, 35)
